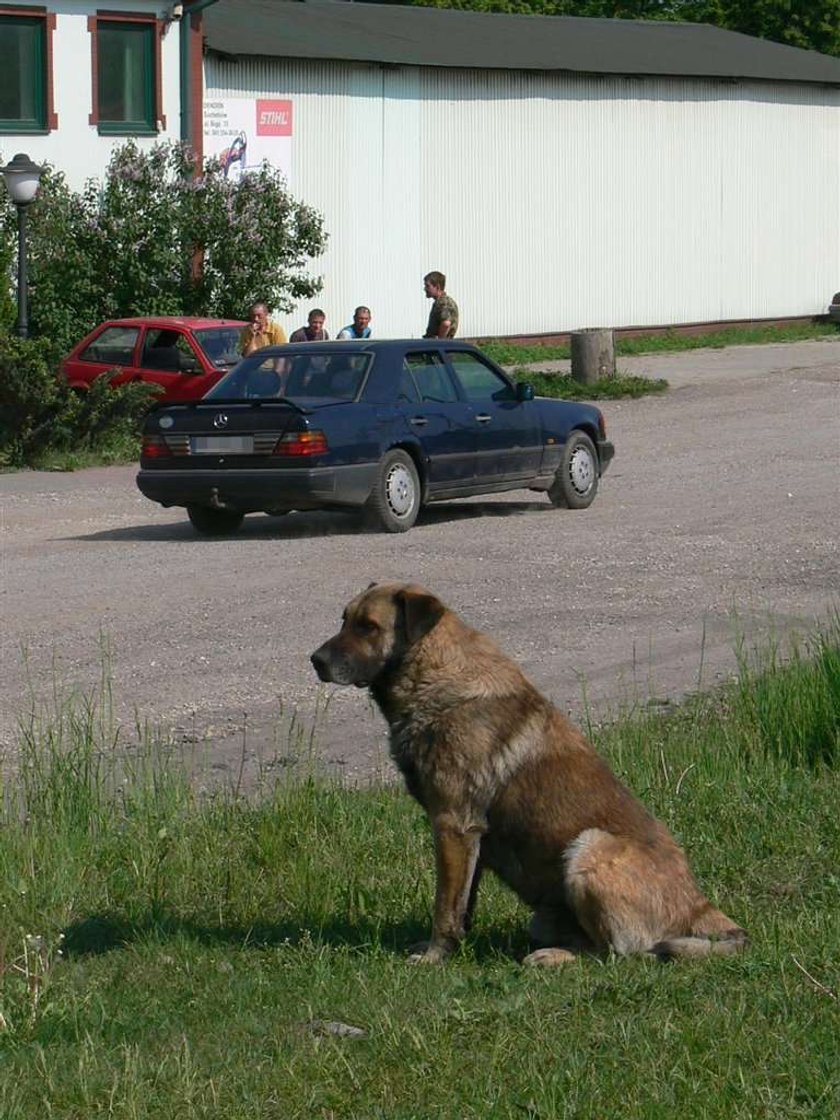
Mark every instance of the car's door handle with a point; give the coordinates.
(418, 421)
(483, 418)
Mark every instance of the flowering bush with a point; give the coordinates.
(161, 236)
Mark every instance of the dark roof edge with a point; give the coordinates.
(627, 75)
(397, 35)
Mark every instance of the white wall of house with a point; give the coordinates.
(75, 147)
(555, 202)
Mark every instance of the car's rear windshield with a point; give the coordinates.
(220, 344)
(330, 374)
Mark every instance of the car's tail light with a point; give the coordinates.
(154, 447)
(302, 443)
(602, 425)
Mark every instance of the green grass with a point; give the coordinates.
(118, 449)
(167, 954)
(606, 388)
(511, 353)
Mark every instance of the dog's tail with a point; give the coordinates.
(711, 933)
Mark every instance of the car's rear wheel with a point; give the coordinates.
(576, 481)
(214, 522)
(394, 502)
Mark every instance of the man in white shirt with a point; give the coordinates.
(360, 327)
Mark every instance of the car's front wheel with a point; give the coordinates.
(576, 481)
(214, 522)
(394, 502)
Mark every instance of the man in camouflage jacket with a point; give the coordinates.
(443, 318)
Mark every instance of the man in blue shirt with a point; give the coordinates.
(360, 327)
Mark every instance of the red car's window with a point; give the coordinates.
(114, 346)
(220, 344)
(168, 350)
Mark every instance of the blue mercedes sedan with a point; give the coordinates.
(383, 426)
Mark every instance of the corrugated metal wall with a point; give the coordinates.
(554, 202)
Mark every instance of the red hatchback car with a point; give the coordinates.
(185, 357)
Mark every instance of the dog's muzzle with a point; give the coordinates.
(334, 667)
(321, 662)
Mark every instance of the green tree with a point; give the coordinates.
(7, 306)
(157, 237)
(40, 416)
(812, 24)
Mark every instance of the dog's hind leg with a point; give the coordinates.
(638, 898)
(558, 936)
(550, 957)
(711, 933)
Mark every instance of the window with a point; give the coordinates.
(115, 345)
(479, 381)
(126, 74)
(26, 94)
(431, 377)
(220, 344)
(407, 391)
(169, 350)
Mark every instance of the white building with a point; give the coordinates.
(562, 172)
(76, 79)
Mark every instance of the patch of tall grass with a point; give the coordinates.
(782, 707)
(788, 705)
(565, 387)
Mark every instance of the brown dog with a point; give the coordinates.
(509, 784)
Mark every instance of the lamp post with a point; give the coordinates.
(22, 177)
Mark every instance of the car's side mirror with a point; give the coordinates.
(189, 364)
(524, 391)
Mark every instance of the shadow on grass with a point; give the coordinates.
(301, 526)
(105, 933)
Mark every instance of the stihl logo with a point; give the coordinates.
(274, 118)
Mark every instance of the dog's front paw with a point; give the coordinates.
(427, 952)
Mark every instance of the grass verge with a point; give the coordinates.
(163, 954)
(565, 387)
(511, 353)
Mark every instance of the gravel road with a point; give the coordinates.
(723, 503)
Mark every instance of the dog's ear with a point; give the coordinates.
(370, 585)
(421, 611)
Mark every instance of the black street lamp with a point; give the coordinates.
(22, 177)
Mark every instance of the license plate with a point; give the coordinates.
(222, 445)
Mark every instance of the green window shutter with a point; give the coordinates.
(23, 74)
(126, 77)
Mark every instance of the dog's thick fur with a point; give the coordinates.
(509, 784)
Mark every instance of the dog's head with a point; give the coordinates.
(377, 629)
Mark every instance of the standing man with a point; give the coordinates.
(443, 318)
(360, 327)
(260, 332)
(314, 330)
